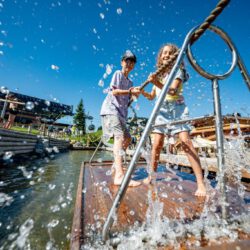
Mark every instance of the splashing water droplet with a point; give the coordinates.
(47, 103)
(55, 208)
(99, 160)
(26, 174)
(101, 83)
(5, 200)
(119, 11)
(53, 223)
(164, 195)
(52, 186)
(24, 232)
(4, 90)
(55, 149)
(63, 205)
(102, 16)
(109, 69)
(29, 105)
(7, 155)
(109, 172)
(105, 91)
(54, 67)
(132, 212)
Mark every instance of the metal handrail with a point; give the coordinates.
(236, 59)
(175, 122)
(220, 149)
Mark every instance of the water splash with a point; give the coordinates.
(22, 241)
(27, 174)
(5, 200)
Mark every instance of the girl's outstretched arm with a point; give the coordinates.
(149, 96)
(173, 87)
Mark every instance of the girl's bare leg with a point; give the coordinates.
(194, 160)
(156, 150)
(120, 145)
(158, 140)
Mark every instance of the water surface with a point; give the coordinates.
(37, 201)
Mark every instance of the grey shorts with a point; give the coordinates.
(112, 125)
(169, 112)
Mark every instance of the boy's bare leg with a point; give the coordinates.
(194, 160)
(120, 144)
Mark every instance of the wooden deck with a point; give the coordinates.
(96, 193)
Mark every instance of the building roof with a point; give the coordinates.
(36, 107)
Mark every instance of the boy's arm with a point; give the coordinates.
(120, 92)
(115, 85)
(131, 91)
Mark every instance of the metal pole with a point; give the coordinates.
(220, 146)
(4, 106)
(182, 121)
(99, 144)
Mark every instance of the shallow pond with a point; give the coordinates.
(37, 201)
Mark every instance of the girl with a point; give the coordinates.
(173, 108)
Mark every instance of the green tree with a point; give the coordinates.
(80, 117)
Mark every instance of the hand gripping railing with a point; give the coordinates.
(217, 109)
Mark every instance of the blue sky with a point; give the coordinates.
(60, 50)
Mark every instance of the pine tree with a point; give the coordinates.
(79, 117)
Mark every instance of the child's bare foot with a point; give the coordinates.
(112, 168)
(201, 191)
(148, 180)
(118, 181)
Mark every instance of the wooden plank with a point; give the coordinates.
(17, 152)
(76, 232)
(14, 144)
(209, 163)
(15, 139)
(12, 133)
(58, 141)
(238, 245)
(225, 128)
(99, 193)
(135, 203)
(11, 148)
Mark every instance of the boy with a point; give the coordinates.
(114, 113)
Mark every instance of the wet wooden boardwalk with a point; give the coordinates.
(96, 193)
